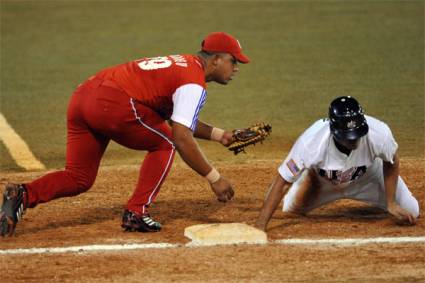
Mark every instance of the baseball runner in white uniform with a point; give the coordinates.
(348, 156)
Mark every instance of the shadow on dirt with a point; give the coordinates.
(166, 211)
(353, 216)
(73, 218)
(201, 211)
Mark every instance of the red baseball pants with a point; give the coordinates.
(97, 113)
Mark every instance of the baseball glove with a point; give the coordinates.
(251, 135)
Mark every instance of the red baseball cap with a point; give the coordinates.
(223, 42)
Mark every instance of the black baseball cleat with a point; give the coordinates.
(144, 223)
(14, 205)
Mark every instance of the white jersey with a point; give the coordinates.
(315, 149)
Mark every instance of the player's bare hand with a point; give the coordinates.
(227, 138)
(223, 190)
(401, 215)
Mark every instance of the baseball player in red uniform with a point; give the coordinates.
(348, 156)
(150, 104)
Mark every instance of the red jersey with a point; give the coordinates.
(153, 81)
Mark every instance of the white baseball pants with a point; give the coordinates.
(311, 191)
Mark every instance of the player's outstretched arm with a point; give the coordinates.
(191, 154)
(208, 132)
(203, 130)
(276, 192)
(391, 174)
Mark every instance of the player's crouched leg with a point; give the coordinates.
(405, 198)
(306, 194)
(414, 209)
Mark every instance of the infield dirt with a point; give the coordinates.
(185, 200)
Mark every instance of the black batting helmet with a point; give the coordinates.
(346, 119)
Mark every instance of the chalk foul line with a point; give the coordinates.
(352, 242)
(17, 147)
(90, 248)
(124, 247)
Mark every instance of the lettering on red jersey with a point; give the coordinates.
(153, 81)
(179, 60)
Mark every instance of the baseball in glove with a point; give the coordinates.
(251, 135)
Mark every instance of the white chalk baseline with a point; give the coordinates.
(124, 247)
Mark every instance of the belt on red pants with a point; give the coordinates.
(94, 82)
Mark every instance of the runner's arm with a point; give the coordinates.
(276, 192)
(391, 174)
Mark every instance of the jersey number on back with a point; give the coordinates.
(155, 63)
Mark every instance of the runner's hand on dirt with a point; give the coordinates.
(401, 215)
(223, 190)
